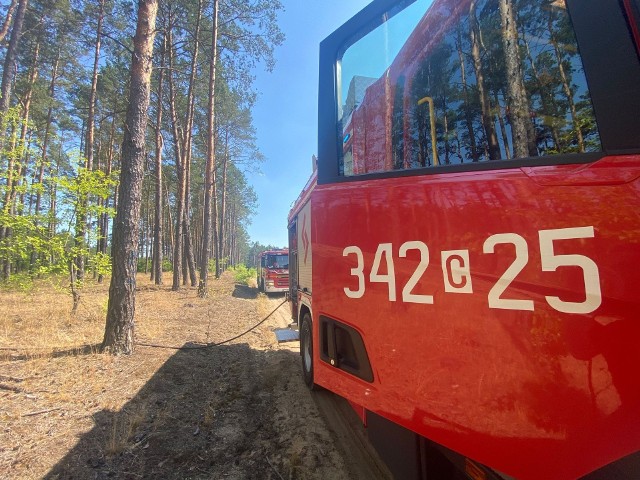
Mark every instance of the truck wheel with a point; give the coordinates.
(261, 285)
(306, 351)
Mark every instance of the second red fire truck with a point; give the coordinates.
(273, 271)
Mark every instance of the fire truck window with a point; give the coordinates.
(457, 89)
(278, 261)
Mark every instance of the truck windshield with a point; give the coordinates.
(278, 261)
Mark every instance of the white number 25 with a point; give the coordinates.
(550, 262)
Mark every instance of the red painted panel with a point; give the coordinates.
(533, 393)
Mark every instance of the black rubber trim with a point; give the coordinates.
(413, 457)
(634, 14)
(612, 68)
(398, 447)
(568, 159)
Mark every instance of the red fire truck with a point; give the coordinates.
(273, 271)
(466, 262)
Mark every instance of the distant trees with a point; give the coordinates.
(63, 99)
(65, 81)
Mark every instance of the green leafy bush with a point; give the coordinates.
(243, 274)
(101, 263)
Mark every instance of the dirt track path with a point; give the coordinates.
(345, 428)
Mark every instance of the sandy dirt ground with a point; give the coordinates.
(234, 411)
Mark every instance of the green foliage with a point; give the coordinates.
(31, 244)
(144, 264)
(242, 274)
(22, 282)
(100, 263)
(94, 184)
(212, 265)
(166, 265)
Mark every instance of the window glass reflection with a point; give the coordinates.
(467, 81)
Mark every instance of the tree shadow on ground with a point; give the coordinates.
(206, 413)
(245, 292)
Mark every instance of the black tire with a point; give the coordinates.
(261, 285)
(306, 351)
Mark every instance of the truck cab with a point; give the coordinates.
(273, 271)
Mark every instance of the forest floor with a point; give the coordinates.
(237, 411)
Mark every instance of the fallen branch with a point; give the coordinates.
(38, 412)
(10, 388)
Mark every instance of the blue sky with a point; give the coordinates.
(285, 116)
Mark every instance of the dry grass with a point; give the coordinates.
(39, 320)
(53, 389)
(233, 411)
(123, 429)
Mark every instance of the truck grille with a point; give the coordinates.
(281, 281)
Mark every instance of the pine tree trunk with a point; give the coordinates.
(5, 99)
(466, 98)
(47, 130)
(186, 150)
(223, 197)
(503, 128)
(566, 86)
(178, 237)
(188, 251)
(158, 217)
(119, 330)
(103, 229)
(210, 178)
(485, 103)
(33, 75)
(16, 168)
(53, 205)
(82, 221)
(7, 20)
(6, 230)
(147, 227)
(546, 97)
(93, 93)
(169, 242)
(10, 57)
(524, 144)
